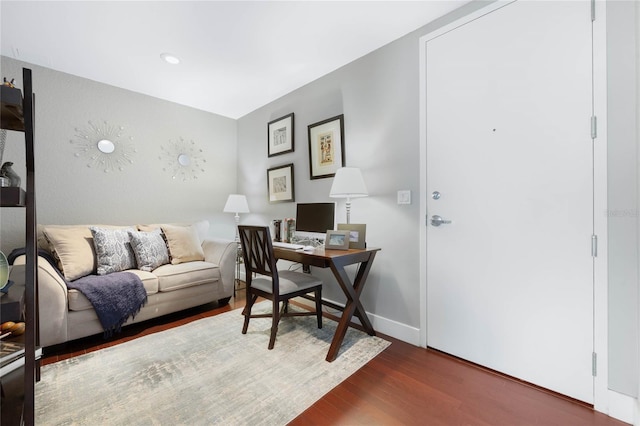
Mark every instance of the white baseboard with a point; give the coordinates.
(395, 329)
(623, 407)
(380, 324)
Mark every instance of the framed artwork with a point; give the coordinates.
(357, 234)
(326, 147)
(280, 136)
(280, 184)
(337, 240)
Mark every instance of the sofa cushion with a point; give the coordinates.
(150, 249)
(184, 243)
(174, 277)
(73, 248)
(113, 251)
(78, 302)
(202, 227)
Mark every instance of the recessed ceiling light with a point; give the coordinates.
(170, 59)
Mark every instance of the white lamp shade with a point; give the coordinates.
(236, 203)
(348, 183)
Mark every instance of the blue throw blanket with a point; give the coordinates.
(115, 297)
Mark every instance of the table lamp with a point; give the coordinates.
(237, 204)
(348, 183)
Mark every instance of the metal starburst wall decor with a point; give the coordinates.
(182, 159)
(104, 146)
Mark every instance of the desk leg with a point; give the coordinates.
(353, 305)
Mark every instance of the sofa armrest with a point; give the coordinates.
(222, 253)
(52, 299)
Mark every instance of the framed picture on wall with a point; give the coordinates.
(280, 136)
(280, 184)
(357, 234)
(326, 147)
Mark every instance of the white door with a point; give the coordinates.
(509, 150)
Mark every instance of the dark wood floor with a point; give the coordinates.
(404, 385)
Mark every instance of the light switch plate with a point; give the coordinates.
(404, 196)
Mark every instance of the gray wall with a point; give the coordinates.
(378, 95)
(69, 192)
(624, 337)
(377, 98)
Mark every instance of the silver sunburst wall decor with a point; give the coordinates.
(182, 159)
(104, 145)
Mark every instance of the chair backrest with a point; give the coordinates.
(257, 251)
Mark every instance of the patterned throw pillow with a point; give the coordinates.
(113, 251)
(150, 249)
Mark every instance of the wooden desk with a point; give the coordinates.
(337, 260)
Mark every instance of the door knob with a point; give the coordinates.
(438, 220)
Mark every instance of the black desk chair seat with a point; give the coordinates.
(271, 284)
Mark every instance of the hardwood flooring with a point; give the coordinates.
(404, 385)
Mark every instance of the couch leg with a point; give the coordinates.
(222, 302)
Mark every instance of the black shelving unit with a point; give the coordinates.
(17, 114)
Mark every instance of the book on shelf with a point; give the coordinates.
(12, 356)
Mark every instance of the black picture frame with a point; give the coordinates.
(280, 136)
(326, 147)
(280, 184)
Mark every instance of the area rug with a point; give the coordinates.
(204, 372)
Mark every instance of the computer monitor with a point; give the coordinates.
(313, 220)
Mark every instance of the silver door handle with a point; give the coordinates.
(438, 220)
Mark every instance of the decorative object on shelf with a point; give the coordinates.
(236, 203)
(9, 83)
(9, 174)
(326, 147)
(337, 240)
(183, 159)
(280, 184)
(105, 146)
(357, 234)
(4, 271)
(4, 181)
(3, 141)
(348, 183)
(280, 136)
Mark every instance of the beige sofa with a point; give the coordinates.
(199, 270)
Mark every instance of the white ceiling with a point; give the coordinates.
(236, 56)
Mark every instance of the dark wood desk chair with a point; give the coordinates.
(277, 286)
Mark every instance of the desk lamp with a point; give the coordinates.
(348, 183)
(236, 203)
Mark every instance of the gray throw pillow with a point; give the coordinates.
(150, 249)
(113, 251)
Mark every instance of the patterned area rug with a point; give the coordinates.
(204, 372)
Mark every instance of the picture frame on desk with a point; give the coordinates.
(337, 240)
(357, 234)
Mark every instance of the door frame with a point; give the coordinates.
(600, 308)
